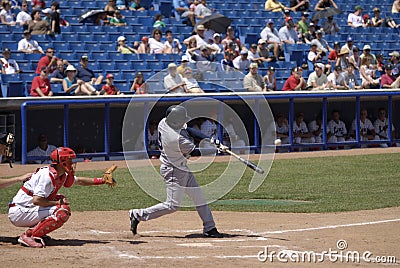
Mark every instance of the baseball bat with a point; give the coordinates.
(246, 162)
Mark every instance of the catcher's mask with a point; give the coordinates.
(63, 156)
(177, 116)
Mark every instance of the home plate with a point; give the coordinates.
(199, 245)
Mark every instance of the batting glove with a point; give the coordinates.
(221, 148)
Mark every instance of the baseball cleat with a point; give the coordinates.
(134, 222)
(213, 233)
(29, 241)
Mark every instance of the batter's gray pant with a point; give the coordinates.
(178, 183)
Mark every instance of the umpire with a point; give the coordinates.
(176, 145)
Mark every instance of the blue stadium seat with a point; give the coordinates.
(58, 90)
(27, 77)
(13, 89)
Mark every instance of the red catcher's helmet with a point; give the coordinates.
(61, 156)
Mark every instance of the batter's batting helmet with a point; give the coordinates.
(61, 156)
(176, 116)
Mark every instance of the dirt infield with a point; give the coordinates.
(103, 239)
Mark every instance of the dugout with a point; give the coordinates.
(94, 124)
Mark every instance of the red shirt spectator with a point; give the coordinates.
(41, 84)
(295, 81)
(38, 4)
(49, 61)
(109, 88)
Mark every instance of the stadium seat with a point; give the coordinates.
(13, 89)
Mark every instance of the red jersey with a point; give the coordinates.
(291, 83)
(44, 62)
(43, 84)
(333, 55)
(110, 90)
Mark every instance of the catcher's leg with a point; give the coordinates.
(49, 224)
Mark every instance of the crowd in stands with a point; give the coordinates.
(324, 65)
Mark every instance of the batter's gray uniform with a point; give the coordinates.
(176, 146)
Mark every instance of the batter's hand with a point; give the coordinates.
(219, 145)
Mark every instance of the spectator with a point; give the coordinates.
(49, 60)
(41, 85)
(158, 21)
(303, 24)
(155, 42)
(72, 86)
(316, 26)
(367, 53)
(117, 19)
(299, 5)
(316, 129)
(28, 45)
(208, 33)
(241, 62)
(110, 8)
(226, 63)
(317, 79)
(270, 79)
(337, 79)
(136, 6)
(388, 80)
(396, 6)
(355, 58)
(368, 74)
(184, 64)
(350, 78)
(262, 50)
(109, 88)
(300, 131)
(102, 19)
(192, 46)
(144, 47)
(325, 4)
(38, 4)
(59, 74)
(55, 18)
(282, 128)
(311, 34)
(336, 129)
(47, 15)
(349, 45)
(152, 140)
(121, 4)
(322, 44)
(138, 85)
(367, 130)
(202, 10)
(172, 45)
(191, 84)
(230, 40)
(199, 37)
(366, 21)
(287, 34)
(8, 66)
(6, 16)
(87, 75)
(253, 55)
(271, 36)
(37, 25)
(343, 58)
(381, 126)
(43, 149)
(23, 17)
(276, 6)
(295, 80)
(217, 43)
(330, 26)
(173, 82)
(123, 48)
(253, 81)
(354, 19)
(182, 10)
(314, 55)
(204, 60)
(395, 60)
(380, 63)
(377, 21)
(334, 54)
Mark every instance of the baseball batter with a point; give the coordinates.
(176, 144)
(38, 205)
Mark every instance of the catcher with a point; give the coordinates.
(38, 205)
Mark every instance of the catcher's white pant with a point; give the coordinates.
(178, 182)
(29, 217)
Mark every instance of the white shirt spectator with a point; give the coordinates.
(170, 82)
(175, 46)
(10, 66)
(156, 47)
(202, 11)
(240, 64)
(356, 21)
(23, 17)
(8, 17)
(322, 80)
(30, 45)
(288, 35)
(270, 35)
(190, 83)
(336, 81)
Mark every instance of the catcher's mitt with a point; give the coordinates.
(108, 176)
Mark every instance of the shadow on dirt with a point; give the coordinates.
(55, 242)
